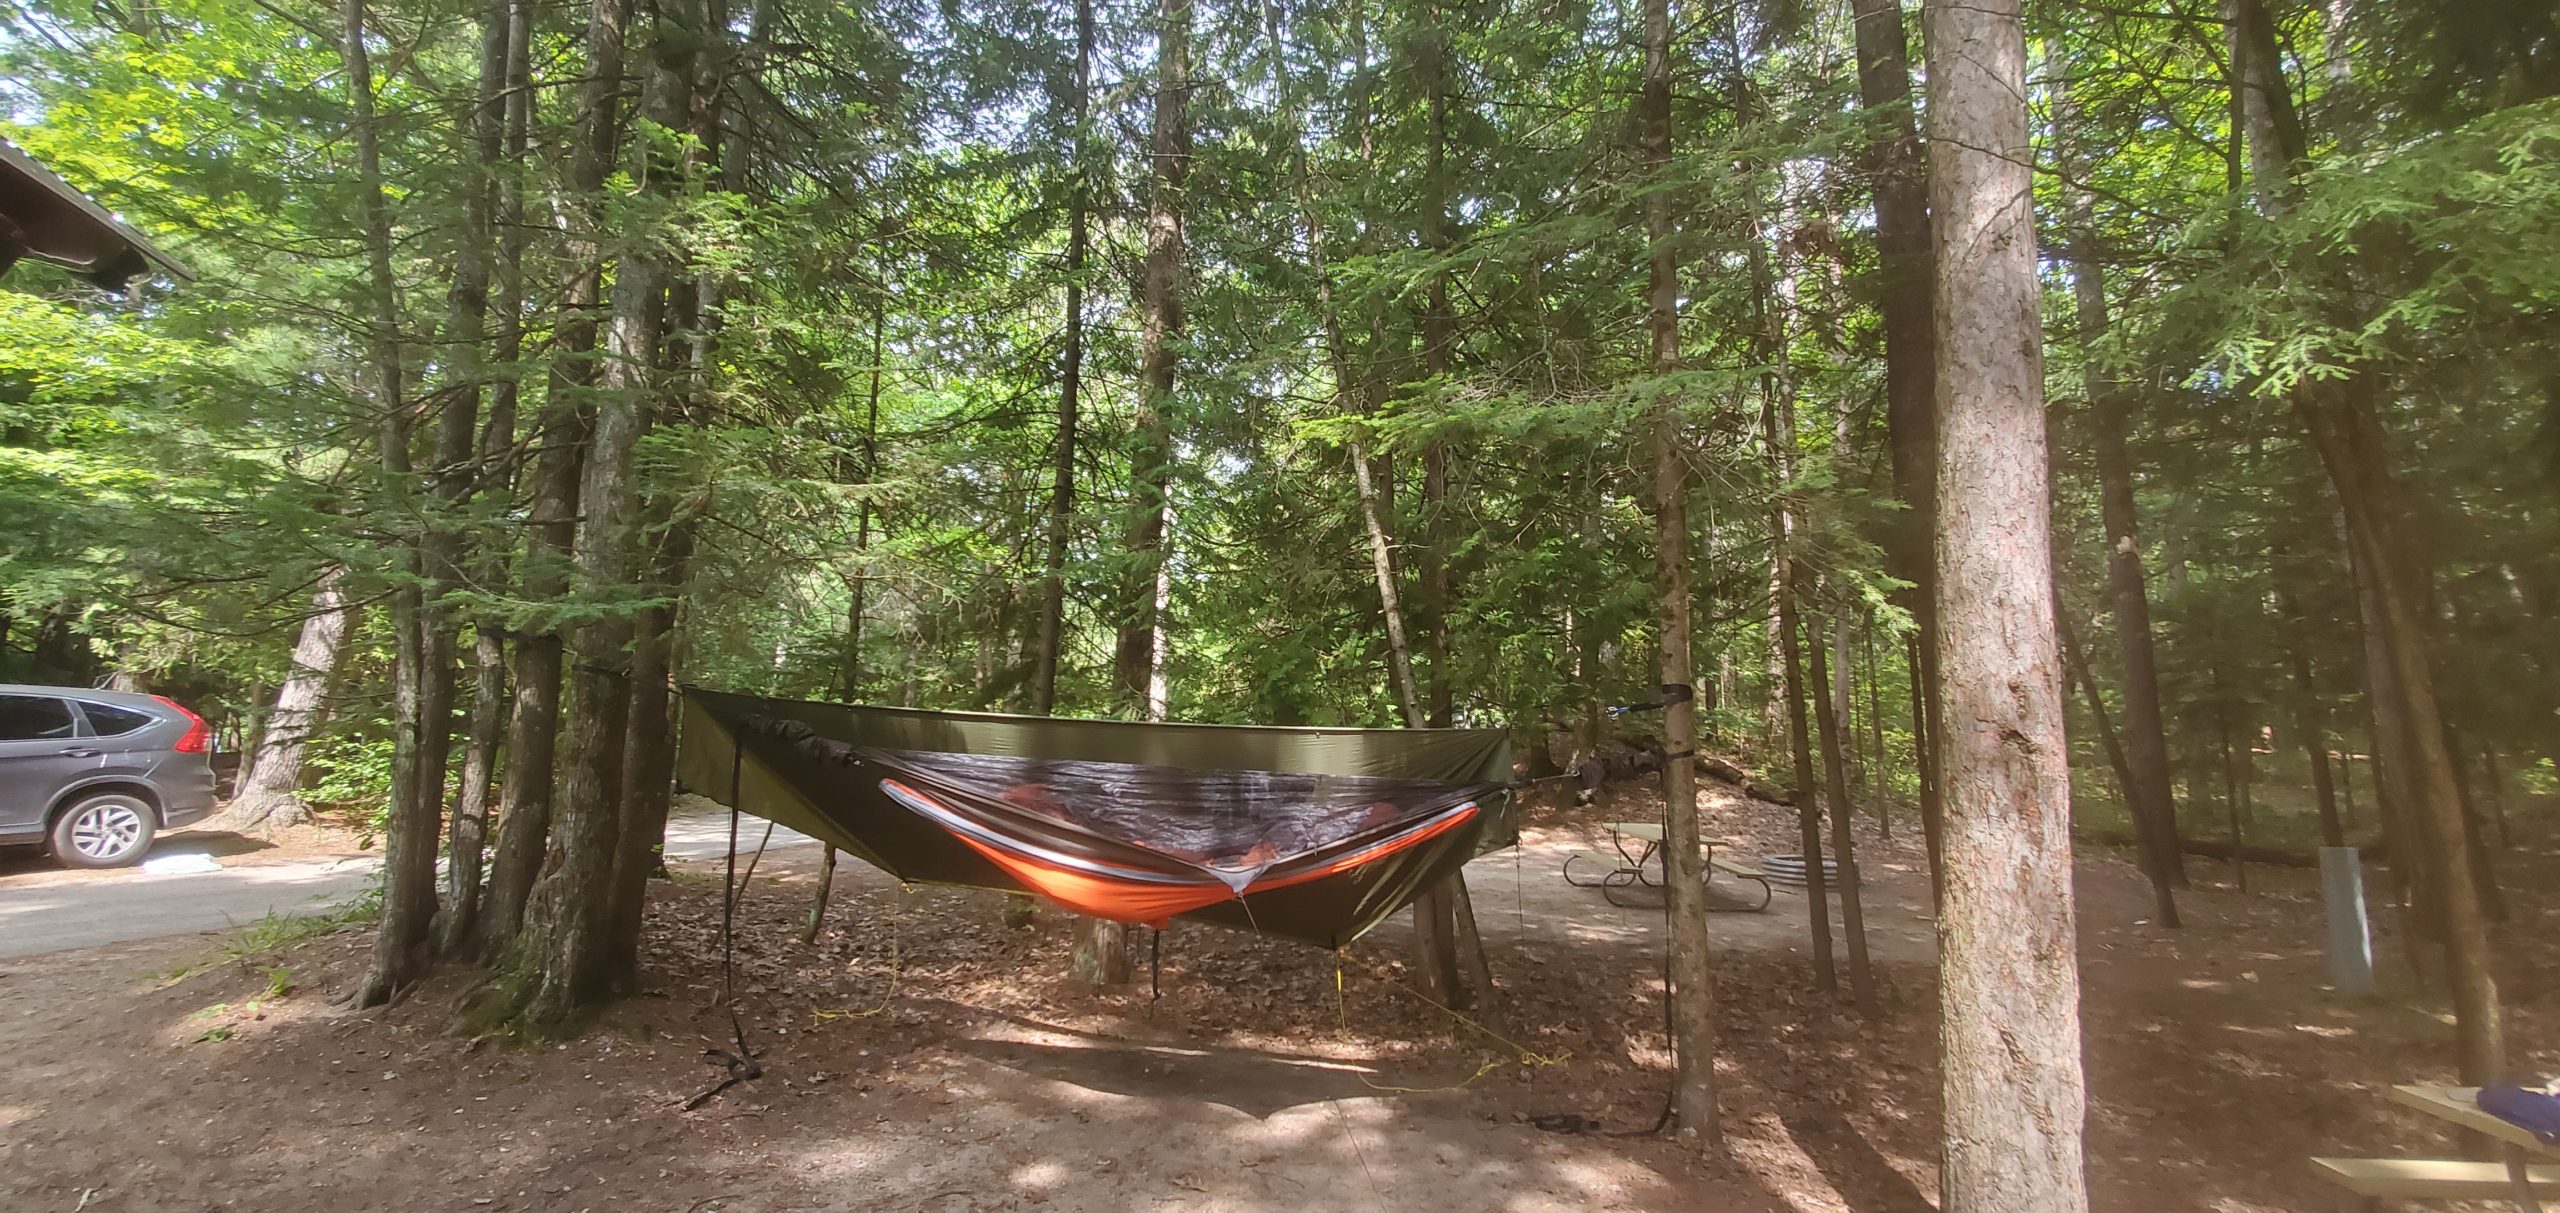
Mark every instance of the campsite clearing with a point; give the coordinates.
(922, 1057)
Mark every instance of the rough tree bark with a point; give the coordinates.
(1101, 954)
(567, 926)
(409, 844)
(271, 794)
(560, 441)
(2009, 997)
(1692, 974)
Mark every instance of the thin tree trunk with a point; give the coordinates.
(1692, 973)
(856, 613)
(409, 852)
(1062, 490)
(2493, 786)
(1777, 421)
(2145, 741)
(1382, 565)
(270, 795)
(2009, 992)
(2232, 809)
(466, 452)
(2307, 718)
(2340, 419)
(2078, 664)
(1878, 786)
(1835, 783)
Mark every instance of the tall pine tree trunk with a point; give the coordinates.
(2145, 740)
(568, 924)
(2009, 996)
(2340, 419)
(1778, 433)
(561, 434)
(1102, 948)
(1692, 973)
(1844, 850)
(1904, 259)
(467, 452)
(417, 777)
(1062, 453)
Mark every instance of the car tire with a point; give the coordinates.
(108, 830)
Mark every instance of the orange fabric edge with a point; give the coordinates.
(1155, 905)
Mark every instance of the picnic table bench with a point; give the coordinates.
(1645, 865)
(2370, 1181)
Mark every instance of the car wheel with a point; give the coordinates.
(110, 830)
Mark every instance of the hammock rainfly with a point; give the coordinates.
(1307, 834)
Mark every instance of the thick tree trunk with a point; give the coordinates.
(568, 928)
(1904, 259)
(1161, 319)
(1102, 949)
(563, 430)
(270, 794)
(1844, 850)
(1692, 974)
(2009, 997)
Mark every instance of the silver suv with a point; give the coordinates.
(93, 775)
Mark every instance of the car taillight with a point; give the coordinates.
(198, 738)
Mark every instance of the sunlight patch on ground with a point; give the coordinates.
(1770, 1153)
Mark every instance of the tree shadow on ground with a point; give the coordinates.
(1852, 1163)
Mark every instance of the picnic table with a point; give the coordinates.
(1641, 865)
(2373, 1180)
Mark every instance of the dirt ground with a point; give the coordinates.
(922, 1057)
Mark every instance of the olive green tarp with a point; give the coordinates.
(818, 768)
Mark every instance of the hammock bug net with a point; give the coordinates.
(1308, 834)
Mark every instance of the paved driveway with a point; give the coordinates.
(191, 885)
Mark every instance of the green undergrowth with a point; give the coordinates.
(261, 945)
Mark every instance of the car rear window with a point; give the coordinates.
(33, 718)
(108, 720)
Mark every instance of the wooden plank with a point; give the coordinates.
(2430, 1178)
(1738, 869)
(1644, 831)
(2461, 1106)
